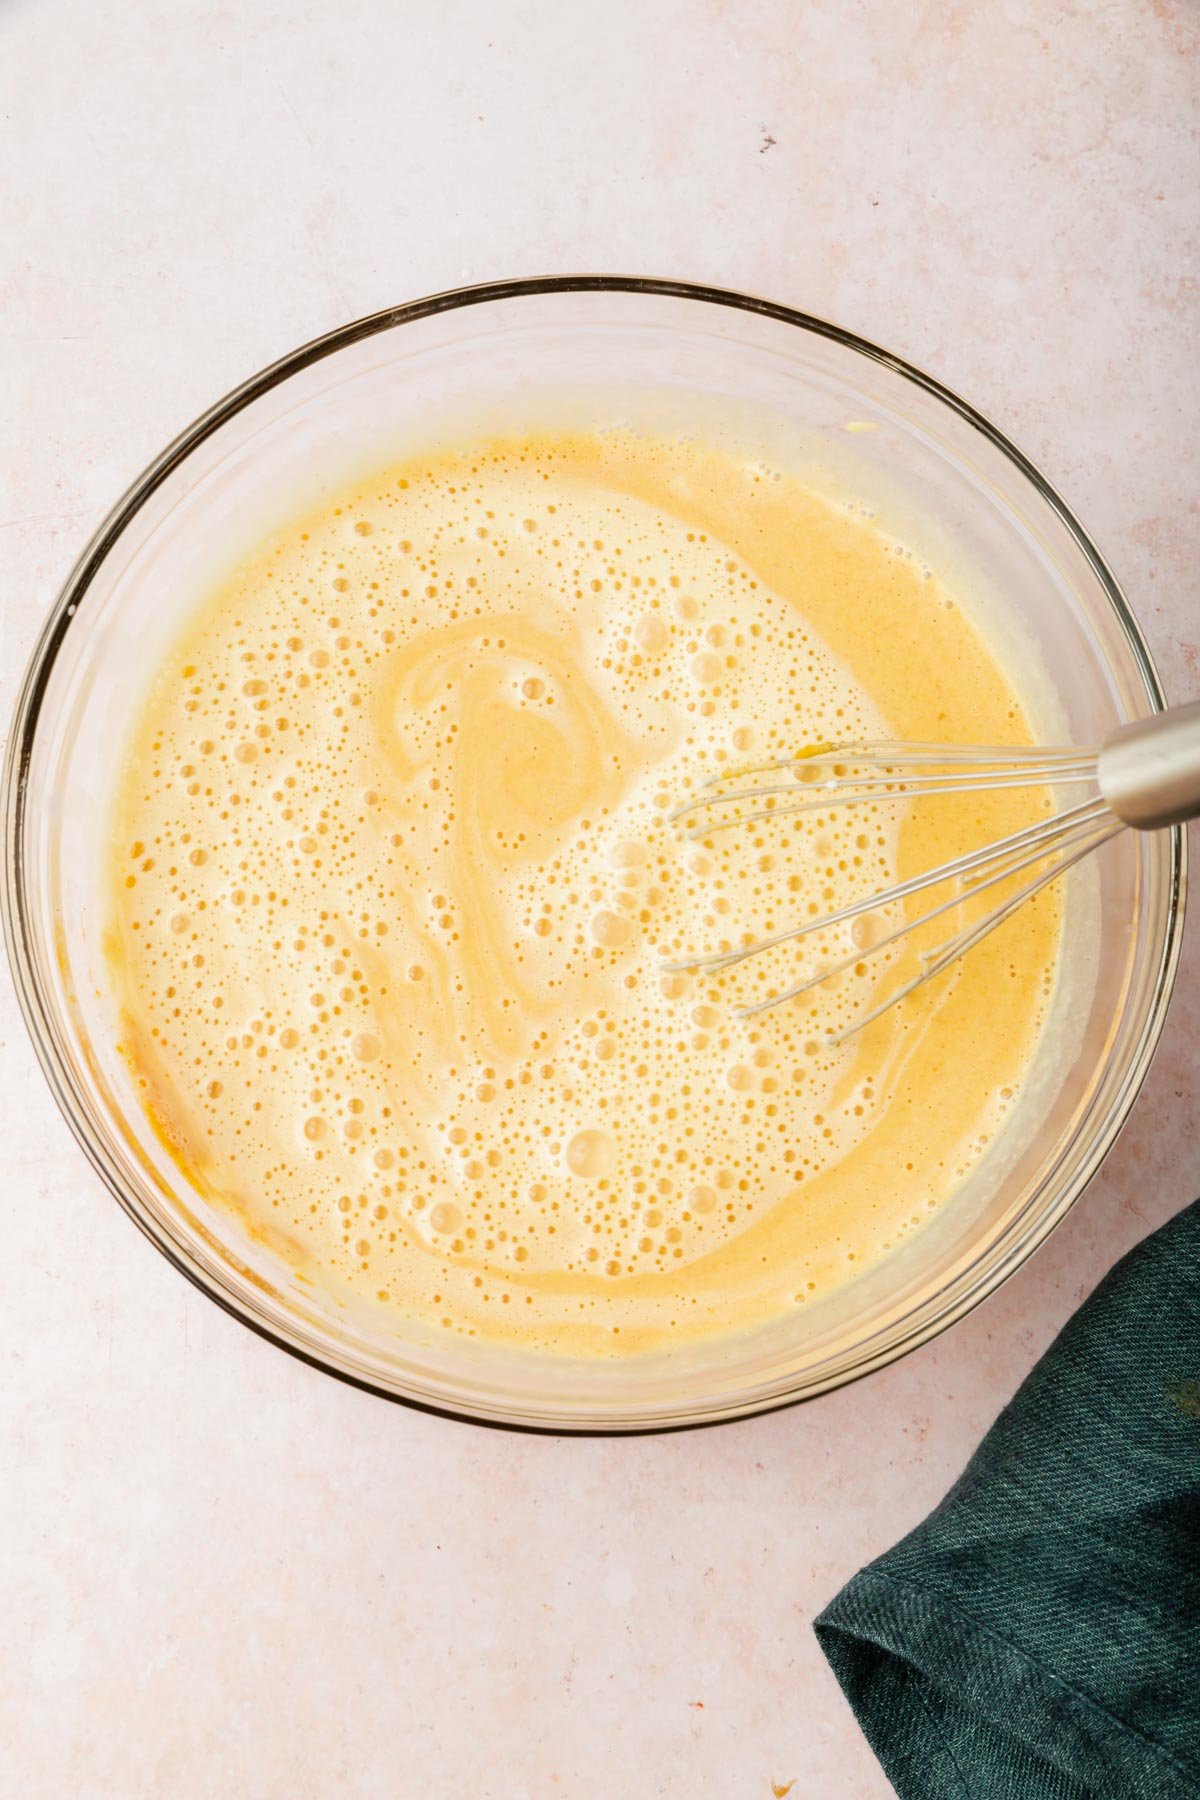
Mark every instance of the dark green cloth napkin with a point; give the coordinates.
(1038, 1637)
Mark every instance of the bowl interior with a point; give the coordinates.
(766, 383)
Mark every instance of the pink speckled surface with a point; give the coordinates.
(220, 1572)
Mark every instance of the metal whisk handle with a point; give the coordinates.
(1149, 772)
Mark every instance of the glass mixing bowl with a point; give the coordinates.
(586, 350)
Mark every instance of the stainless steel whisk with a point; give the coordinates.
(1145, 775)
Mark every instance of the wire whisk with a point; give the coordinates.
(1145, 775)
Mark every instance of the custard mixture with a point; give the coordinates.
(394, 884)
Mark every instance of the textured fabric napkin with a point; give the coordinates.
(1038, 1637)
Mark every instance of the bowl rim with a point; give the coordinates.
(38, 1012)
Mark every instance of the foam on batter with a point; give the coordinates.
(393, 885)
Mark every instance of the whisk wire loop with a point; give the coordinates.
(1030, 837)
(1147, 775)
(1084, 832)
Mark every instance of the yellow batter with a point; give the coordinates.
(392, 888)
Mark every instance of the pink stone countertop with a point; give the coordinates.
(220, 1571)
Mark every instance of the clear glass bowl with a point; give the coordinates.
(510, 356)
